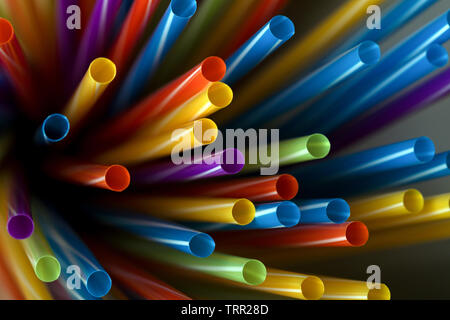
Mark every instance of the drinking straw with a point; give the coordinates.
(415, 99)
(43, 261)
(398, 155)
(110, 177)
(261, 13)
(95, 36)
(166, 233)
(238, 269)
(291, 284)
(399, 203)
(219, 210)
(263, 43)
(258, 189)
(164, 100)
(343, 289)
(20, 224)
(370, 93)
(297, 150)
(135, 279)
(435, 208)
(15, 66)
(194, 134)
(99, 75)
(207, 14)
(9, 289)
(348, 234)
(169, 28)
(53, 129)
(226, 162)
(410, 50)
(283, 214)
(323, 211)
(67, 38)
(71, 251)
(306, 88)
(300, 55)
(215, 97)
(124, 8)
(132, 29)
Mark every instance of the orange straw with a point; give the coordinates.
(8, 290)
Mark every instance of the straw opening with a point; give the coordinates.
(282, 27)
(424, 149)
(318, 145)
(20, 226)
(56, 127)
(205, 131)
(183, 8)
(6, 31)
(213, 69)
(379, 294)
(287, 187)
(220, 94)
(117, 178)
(202, 245)
(47, 269)
(288, 214)
(102, 70)
(357, 233)
(254, 272)
(98, 283)
(437, 55)
(413, 201)
(243, 211)
(312, 288)
(237, 162)
(369, 52)
(338, 210)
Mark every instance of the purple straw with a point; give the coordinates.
(95, 38)
(227, 162)
(417, 98)
(66, 37)
(20, 222)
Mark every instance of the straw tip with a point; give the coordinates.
(117, 178)
(55, 128)
(20, 226)
(338, 211)
(98, 283)
(287, 186)
(437, 55)
(183, 8)
(202, 245)
(282, 27)
(369, 52)
(232, 161)
(6, 31)
(288, 214)
(47, 269)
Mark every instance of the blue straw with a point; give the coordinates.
(373, 161)
(71, 251)
(357, 59)
(166, 33)
(271, 36)
(166, 233)
(436, 32)
(54, 129)
(323, 211)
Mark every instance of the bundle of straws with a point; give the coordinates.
(95, 96)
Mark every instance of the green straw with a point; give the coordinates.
(313, 147)
(45, 265)
(243, 270)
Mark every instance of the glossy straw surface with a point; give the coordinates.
(343, 289)
(323, 211)
(53, 129)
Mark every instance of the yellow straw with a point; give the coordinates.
(97, 78)
(299, 56)
(195, 134)
(343, 289)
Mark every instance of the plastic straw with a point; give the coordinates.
(99, 75)
(166, 233)
(242, 270)
(419, 97)
(271, 36)
(400, 203)
(9, 289)
(114, 177)
(164, 100)
(267, 216)
(323, 211)
(297, 150)
(227, 162)
(136, 21)
(53, 129)
(219, 210)
(312, 47)
(333, 73)
(140, 149)
(96, 36)
(343, 289)
(70, 251)
(349, 234)
(169, 28)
